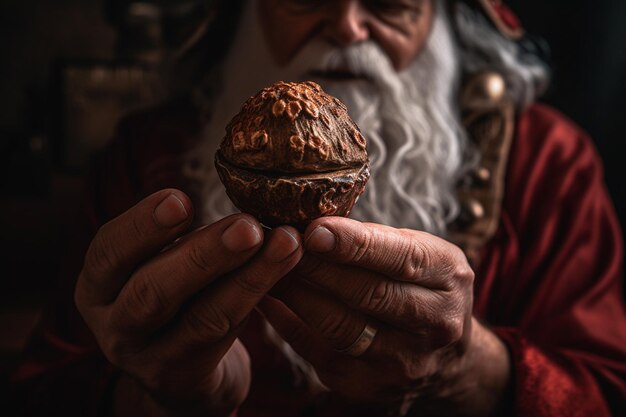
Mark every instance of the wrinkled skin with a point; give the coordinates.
(166, 306)
(399, 27)
(416, 289)
(169, 319)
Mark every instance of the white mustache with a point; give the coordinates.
(365, 59)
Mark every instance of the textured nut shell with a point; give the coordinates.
(293, 128)
(293, 154)
(276, 200)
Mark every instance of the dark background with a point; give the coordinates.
(41, 179)
(588, 48)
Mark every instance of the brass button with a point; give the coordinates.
(495, 86)
(485, 89)
(471, 211)
(475, 209)
(482, 175)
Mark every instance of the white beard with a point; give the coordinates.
(415, 143)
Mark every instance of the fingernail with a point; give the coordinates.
(281, 245)
(170, 212)
(240, 236)
(321, 240)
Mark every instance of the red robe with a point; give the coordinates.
(549, 283)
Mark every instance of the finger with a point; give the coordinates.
(337, 323)
(157, 290)
(400, 254)
(353, 377)
(307, 343)
(218, 312)
(126, 241)
(405, 306)
(342, 326)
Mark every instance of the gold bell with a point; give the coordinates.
(471, 212)
(485, 89)
(481, 175)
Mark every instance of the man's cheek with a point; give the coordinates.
(285, 34)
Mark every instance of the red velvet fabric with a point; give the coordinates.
(549, 283)
(506, 15)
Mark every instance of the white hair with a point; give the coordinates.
(410, 120)
(484, 49)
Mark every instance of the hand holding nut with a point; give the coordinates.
(293, 154)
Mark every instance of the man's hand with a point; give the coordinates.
(167, 309)
(416, 290)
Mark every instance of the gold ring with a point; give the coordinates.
(362, 343)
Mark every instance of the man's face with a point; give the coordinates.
(399, 27)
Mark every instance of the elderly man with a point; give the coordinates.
(480, 274)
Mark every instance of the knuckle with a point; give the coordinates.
(406, 367)
(416, 371)
(252, 283)
(464, 273)
(114, 350)
(456, 267)
(454, 328)
(413, 314)
(120, 350)
(138, 229)
(411, 262)
(448, 331)
(362, 246)
(310, 266)
(208, 322)
(146, 302)
(199, 260)
(378, 298)
(458, 281)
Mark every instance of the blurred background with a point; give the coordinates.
(70, 68)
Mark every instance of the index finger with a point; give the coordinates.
(129, 239)
(216, 313)
(400, 254)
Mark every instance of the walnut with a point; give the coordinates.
(292, 154)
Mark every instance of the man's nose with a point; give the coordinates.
(347, 23)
